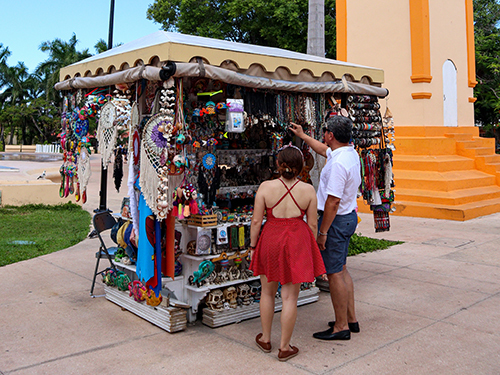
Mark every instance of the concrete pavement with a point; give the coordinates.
(430, 305)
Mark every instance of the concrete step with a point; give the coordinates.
(442, 181)
(462, 212)
(434, 131)
(492, 168)
(473, 130)
(477, 142)
(495, 158)
(459, 136)
(455, 197)
(475, 152)
(425, 146)
(438, 163)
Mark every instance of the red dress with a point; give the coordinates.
(287, 250)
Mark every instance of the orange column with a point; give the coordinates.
(471, 49)
(341, 19)
(420, 41)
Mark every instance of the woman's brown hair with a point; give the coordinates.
(290, 162)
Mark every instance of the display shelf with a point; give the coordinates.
(210, 287)
(215, 319)
(171, 319)
(132, 268)
(208, 257)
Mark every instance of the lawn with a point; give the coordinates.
(360, 244)
(32, 230)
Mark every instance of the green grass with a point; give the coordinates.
(49, 228)
(360, 244)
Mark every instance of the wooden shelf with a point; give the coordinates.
(171, 319)
(208, 257)
(210, 287)
(215, 319)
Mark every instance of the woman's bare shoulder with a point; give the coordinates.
(265, 185)
(308, 188)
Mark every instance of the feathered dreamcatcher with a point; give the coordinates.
(107, 133)
(84, 172)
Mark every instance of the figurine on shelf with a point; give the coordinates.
(230, 294)
(244, 294)
(215, 300)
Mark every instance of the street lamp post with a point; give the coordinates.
(104, 171)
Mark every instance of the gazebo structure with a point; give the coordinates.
(209, 116)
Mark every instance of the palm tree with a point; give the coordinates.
(18, 84)
(61, 54)
(101, 46)
(20, 88)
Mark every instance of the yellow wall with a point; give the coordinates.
(379, 34)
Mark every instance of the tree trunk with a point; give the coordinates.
(12, 129)
(2, 137)
(23, 130)
(38, 128)
(316, 28)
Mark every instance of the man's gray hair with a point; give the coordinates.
(341, 127)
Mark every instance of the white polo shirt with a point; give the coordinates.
(341, 178)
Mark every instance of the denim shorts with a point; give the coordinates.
(337, 241)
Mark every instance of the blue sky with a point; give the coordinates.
(25, 24)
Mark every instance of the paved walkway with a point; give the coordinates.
(428, 306)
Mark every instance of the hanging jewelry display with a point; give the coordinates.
(107, 133)
(388, 128)
(118, 168)
(373, 136)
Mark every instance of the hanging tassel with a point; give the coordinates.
(180, 212)
(194, 207)
(187, 213)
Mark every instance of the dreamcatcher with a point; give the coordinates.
(154, 180)
(107, 133)
(134, 147)
(84, 172)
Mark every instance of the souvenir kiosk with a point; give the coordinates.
(205, 119)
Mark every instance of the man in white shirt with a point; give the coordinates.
(337, 193)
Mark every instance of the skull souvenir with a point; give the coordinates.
(211, 278)
(215, 300)
(230, 296)
(244, 294)
(191, 247)
(255, 288)
(234, 273)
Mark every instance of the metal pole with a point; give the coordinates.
(111, 19)
(104, 172)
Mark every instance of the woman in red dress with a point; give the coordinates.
(285, 251)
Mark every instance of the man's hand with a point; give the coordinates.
(321, 240)
(297, 129)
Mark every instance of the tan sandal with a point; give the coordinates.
(285, 356)
(264, 346)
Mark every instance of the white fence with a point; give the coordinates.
(48, 149)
